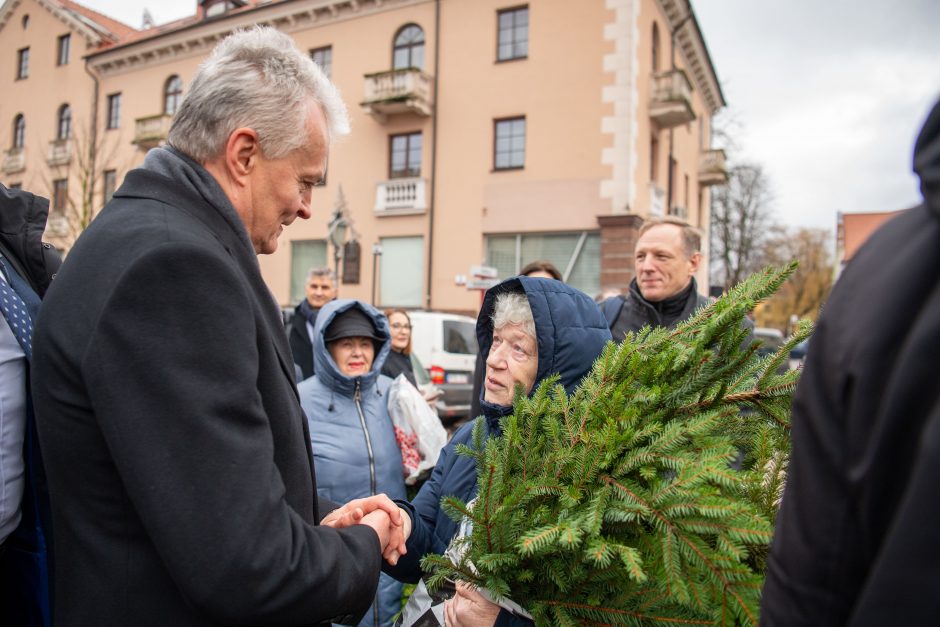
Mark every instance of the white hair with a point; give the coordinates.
(255, 78)
(513, 308)
(322, 272)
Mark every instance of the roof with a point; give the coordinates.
(119, 29)
(858, 227)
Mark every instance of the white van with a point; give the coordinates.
(446, 345)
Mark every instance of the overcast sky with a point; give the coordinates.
(827, 95)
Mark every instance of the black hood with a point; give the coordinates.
(927, 159)
(22, 222)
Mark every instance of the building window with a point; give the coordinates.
(64, 127)
(324, 58)
(304, 254)
(19, 131)
(60, 195)
(409, 48)
(22, 63)
(509, 147)
(172, 94)
(577, 255)
(655, 48)
(401, 271)
(110, 184)
(512, 41)
(404, 156)
(65, 42)
(114, 111)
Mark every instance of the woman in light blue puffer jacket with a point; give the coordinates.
(354, 447)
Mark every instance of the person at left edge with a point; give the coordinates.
(27, 265)
(178, 457)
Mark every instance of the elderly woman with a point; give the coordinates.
(355, 452)
(529, 329)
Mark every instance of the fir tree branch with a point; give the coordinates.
(612, 610)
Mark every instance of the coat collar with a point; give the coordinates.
(231, 233)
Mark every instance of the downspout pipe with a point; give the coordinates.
(672, 63)
(93, 140)
(433, 173)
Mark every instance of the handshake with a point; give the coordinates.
(391, 524)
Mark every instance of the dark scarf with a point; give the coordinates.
(308, 312)
(670, 309)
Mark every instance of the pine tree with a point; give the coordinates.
(619, 504)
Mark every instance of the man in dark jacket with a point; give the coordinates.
(319, 289)
(178, 456)
(857, 541)
(664, 292)
(26, 268)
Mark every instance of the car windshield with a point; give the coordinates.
(460, 337)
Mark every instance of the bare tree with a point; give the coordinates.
(740, 220)
(805, 292)
(86, 166)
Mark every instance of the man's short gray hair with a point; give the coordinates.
(321, 271)
(691, 238)
(255, 78)
(513, 308)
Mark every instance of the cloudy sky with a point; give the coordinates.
(827, 95)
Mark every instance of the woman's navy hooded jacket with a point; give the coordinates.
(571, 334)
(354, 456)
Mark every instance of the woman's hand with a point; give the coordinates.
(469, 608)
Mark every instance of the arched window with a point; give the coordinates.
(655, 47)
(409, 48)
(172, 94)
(19, 131)
(65, 122)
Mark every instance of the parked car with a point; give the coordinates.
(798, 354)
(447, 346)
(770, 340)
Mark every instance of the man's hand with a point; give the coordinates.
(352, 512)
(380, 513)
(468, 608)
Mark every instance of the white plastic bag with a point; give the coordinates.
(418, 430)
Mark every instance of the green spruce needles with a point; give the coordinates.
(619, 504)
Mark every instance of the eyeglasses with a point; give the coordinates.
(398, 326)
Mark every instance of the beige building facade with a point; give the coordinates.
(485, 132)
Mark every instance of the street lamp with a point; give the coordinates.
(337, 233)
(376, 253)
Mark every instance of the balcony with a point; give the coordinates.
(671, 99)
(57, 225)
(397, 91)
(60, 152)
(711, 168)
(151, 131)
(14, 161)
(400, 197)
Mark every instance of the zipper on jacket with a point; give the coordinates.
(365, 431)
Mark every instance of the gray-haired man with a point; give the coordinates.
(178, 456)
(319, 289)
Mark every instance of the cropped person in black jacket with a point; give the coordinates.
(856, 541)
